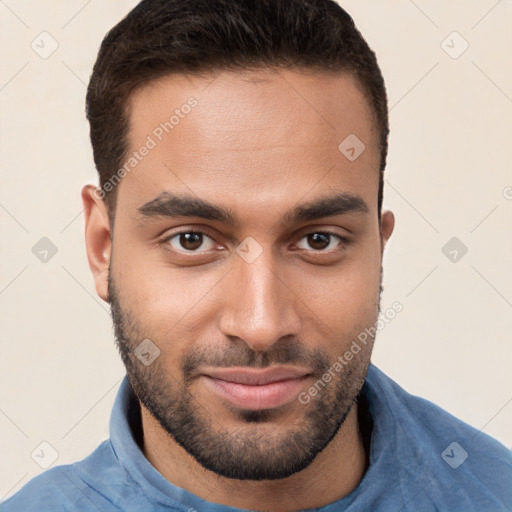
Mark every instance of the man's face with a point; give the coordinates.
(224, 298)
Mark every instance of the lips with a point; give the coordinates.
(250, 388)
(255, 377)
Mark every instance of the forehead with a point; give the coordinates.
(253, 139)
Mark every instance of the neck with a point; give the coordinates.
(313, 487)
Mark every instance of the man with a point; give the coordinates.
(238, 235)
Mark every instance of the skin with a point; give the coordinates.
(258, 143)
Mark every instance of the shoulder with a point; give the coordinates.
(456, 459)
(48, 491)
(63, 488)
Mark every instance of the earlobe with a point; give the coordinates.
(97, 238)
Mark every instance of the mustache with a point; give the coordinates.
(239, 354)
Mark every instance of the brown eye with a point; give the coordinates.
(190, 241)
(318, 241)
(321, 241)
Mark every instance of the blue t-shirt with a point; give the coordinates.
(421, 459)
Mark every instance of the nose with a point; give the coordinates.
(259, 306)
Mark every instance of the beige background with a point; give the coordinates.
(448, 175)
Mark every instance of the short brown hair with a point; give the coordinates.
(160, 37)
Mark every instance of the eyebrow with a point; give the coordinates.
(167, 205)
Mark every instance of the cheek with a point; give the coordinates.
(345, 296)
(168, 304)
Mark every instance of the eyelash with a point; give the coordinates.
(207, 234)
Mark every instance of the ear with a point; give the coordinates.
(387, 224)
(97, 237)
